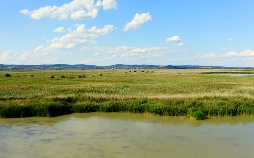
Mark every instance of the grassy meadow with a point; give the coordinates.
(198, 94)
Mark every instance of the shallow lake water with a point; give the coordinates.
(126, 135)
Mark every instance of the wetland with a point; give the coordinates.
(198, 94)
(127, 113)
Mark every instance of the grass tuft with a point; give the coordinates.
(7, 75)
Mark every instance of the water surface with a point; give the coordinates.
(126, 135)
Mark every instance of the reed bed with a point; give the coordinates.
(198, 94)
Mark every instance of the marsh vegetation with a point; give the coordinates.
(197, 94)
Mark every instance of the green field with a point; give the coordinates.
(197, 94)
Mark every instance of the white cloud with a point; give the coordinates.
(209, 55)
(180, 44)
(82, 14)
(24, 56)
(76, 9)
(144, 50)
(230, 39)
(76, 38)
(15, 57)
(109, 4)
(135, 50)
(38, 49)
(25, 11)
(99, 55)
(126, 53)
(73, 40)
(70, 45)
(230, 54)
(246, 53)
(123, 48)
(8, 55)
(174, 39)
(59, 30)
(138, 20)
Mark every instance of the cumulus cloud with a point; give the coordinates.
(79, 36)
(15, 57)
(174, 39)
(8, 55)
(73, 40)
(109, 4)
(138, 20)
(82, 14)
(230, 39)
(76, 9)
(59, 30)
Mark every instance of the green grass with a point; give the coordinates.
(198, 94)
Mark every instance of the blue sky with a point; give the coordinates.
(107, 32)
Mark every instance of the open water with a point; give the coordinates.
(108, 135)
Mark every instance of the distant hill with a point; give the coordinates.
(116, 66)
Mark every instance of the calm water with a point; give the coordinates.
(126, 135)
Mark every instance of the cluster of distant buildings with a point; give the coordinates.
(116, 66)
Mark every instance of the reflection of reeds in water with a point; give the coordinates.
(161, 92)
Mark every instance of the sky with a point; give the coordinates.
(107, 32)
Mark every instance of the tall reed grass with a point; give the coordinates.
(198, 94)
(199, 108)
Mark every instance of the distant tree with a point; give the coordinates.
(62, 76)
(7, 75)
